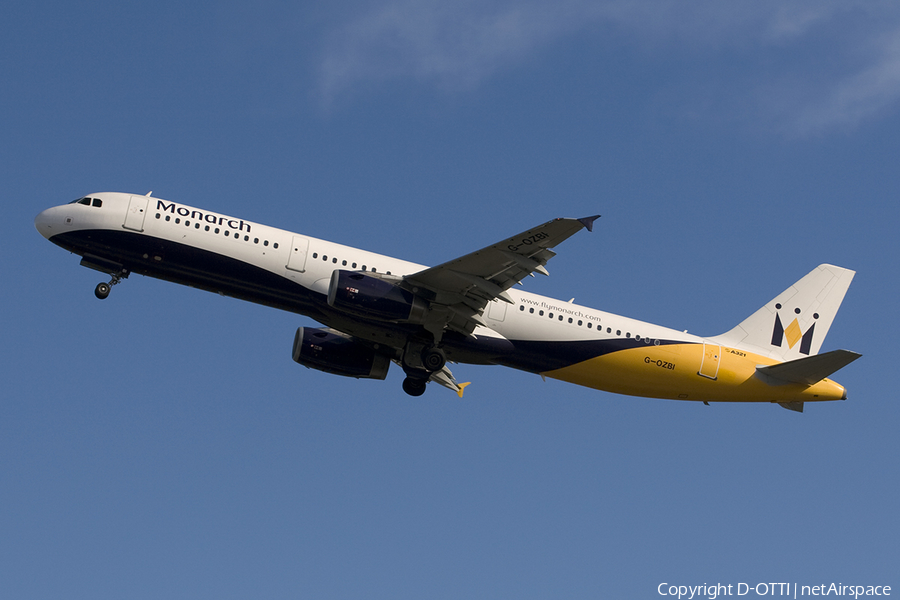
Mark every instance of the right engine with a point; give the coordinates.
(333, 352)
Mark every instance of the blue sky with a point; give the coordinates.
(163, 444)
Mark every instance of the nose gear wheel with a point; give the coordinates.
(103, 289)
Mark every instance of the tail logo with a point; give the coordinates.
(793, 332)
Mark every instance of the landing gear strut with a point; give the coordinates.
(102, 290)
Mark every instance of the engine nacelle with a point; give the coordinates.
(329, 351)
(373, 297)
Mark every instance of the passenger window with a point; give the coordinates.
(275, 245)
(265, 242)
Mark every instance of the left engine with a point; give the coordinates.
(371, 296)
(333, 352)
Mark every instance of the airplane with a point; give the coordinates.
(377, 310)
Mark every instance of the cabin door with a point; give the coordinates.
(137, 209)
(299, 250)
(709, 362)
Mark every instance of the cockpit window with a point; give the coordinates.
(88, 201)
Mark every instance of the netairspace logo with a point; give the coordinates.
(791, 590)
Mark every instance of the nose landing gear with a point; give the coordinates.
(102, 290)
(116, 271)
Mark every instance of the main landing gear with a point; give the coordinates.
(414, 386)
(420, 361)
(103, 289)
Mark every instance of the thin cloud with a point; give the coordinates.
(867, 93)
(456, 46)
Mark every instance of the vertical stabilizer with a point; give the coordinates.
(794, 323)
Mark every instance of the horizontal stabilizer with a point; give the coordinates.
(445, 378)
(808, 370)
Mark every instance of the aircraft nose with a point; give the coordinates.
(44, 223)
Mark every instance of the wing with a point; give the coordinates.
(459, 290)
